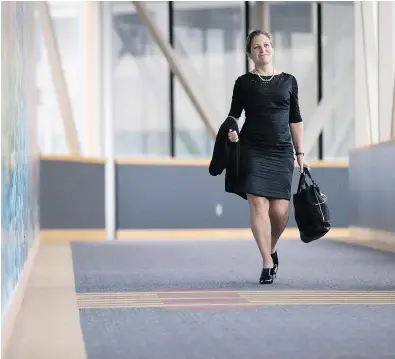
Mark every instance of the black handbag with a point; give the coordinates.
(311, 210)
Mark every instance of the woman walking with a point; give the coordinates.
(273, 126)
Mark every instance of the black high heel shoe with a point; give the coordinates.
(266, 276)
(275, 264)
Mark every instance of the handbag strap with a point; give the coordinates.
(302, 182)
(307, 171)
(302, 179)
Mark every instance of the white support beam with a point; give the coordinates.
(386, 70)
(393, 113)
(107, 56)
(197, 96)
(58, 76)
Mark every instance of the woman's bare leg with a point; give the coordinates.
(260, 227)
(279, 215)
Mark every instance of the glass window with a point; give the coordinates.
(68, 20)
(209, 39)
(292, 27)
(140, 83)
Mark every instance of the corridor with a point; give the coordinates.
(200, 299)
(119, 241)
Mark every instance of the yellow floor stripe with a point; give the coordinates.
(219, 291)
(238, 304)
(189, 299)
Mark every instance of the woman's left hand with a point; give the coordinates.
(302, 163)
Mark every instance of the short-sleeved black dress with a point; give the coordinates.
(266, 149)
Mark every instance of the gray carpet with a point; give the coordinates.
(287, 332)
(269, 332)
(163, 265)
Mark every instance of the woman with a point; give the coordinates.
(273, 125)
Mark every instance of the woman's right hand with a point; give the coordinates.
(233, 137)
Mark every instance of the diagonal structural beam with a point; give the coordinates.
(322, 115)
(199, 101)
(341, 135)
(323, 112)
(58, 76)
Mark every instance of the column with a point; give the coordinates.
(263, 15)
(107, 56)
(386, 61)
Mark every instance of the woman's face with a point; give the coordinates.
(261, 50)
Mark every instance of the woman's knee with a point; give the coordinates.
(258, 204)
(279, 210)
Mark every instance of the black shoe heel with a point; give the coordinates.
(266, 276)
(275, 264)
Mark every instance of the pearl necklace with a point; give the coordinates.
(274, 71)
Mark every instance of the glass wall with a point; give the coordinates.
(140, 83)
(209, 39)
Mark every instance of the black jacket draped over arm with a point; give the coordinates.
(226, 156)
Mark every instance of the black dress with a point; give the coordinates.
(266, 149)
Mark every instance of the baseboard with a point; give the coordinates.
(372, 238)
(17, 297)
(54, 235)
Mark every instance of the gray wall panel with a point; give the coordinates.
(372, 187)
(174, 197)
(71, 195)
(157, 196)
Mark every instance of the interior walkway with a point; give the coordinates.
(200, 299)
